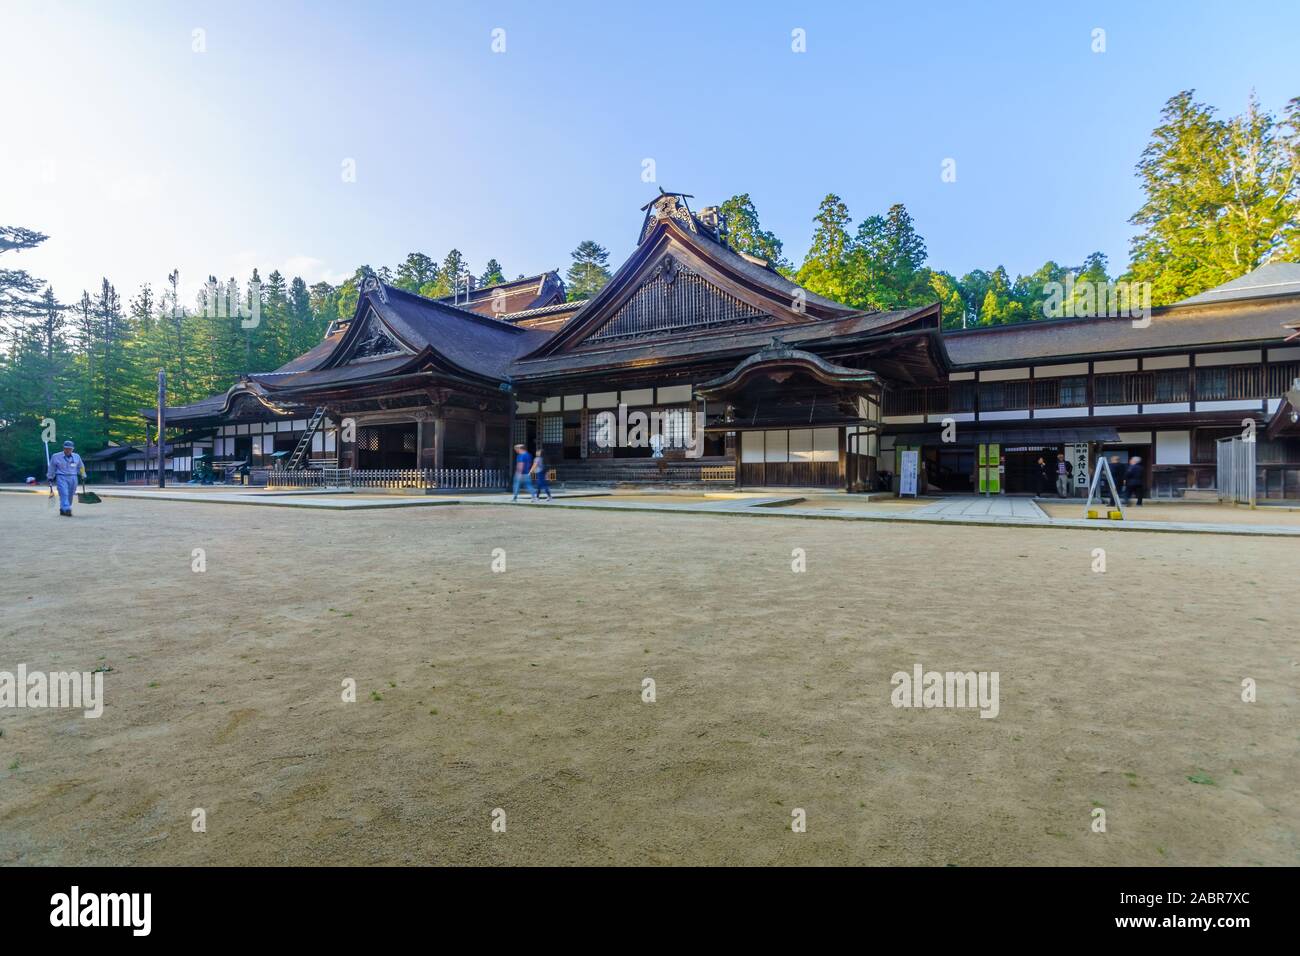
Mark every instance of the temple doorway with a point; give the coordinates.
(386, 446)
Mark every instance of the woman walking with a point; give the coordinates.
(539, 470)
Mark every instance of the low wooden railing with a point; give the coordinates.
(309, 478)
(434, 478)
(428, 478)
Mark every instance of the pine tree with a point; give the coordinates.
(451, 277)
(19, 291)
(589, 271)
(825, 268)
(305, 330)
(275, 330)
(324, 303)
(492, 274)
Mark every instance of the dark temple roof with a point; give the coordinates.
(507, 298)
(430, 334)
(1270, 279)
(1176, 327)
(809, 333)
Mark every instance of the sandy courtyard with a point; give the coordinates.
(522, 690)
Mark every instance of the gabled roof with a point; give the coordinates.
(672, 235)
(1272, 278)
(507, 298)
(431, 334)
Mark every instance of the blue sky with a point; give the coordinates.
(137, 154)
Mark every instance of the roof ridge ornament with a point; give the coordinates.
(372, 284)
(667, 206)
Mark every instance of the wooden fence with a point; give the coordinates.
(308, 478)
(459, 479)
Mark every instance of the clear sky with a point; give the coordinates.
(137, 154)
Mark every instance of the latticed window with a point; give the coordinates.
(1171, 385)
(1279, 377)
(905, 401)
(1073, 391)
(368, 439)
(1228, 383)
(519, 432)
(552, 429)
(1117, 389)
(961, 397)
(1003, 396)
(1211, 384)
(1067, 392)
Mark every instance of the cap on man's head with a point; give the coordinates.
(68, 444)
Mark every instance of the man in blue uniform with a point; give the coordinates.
(65, 469)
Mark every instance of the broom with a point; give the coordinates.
(50, 500)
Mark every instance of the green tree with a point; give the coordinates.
(492, 274)
(589, 271)
(746, 234)
(451, 277)
(1220, 196)
(886, 264)
(948, 291)
(826, 269)
(416, 271)
(349, 293)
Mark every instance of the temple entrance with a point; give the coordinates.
(950, 470)
(386, 446)
(1021, 477)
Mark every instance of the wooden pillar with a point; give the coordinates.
(439, 438)
(422, 436)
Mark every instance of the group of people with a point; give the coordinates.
(1060, 474)
(1130, 479)
(526, 467)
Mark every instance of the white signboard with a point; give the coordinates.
(907, 477)
(1077, 455)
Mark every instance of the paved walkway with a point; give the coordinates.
(992, 505)
(967, 510)
(1001, 511)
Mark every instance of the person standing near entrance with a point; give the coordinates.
(64, 470)
(1064, 474)
(539, 469)
(1134, 480)
(523, 466)
(1044, 473)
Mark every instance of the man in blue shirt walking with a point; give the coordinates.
(64, 470)
(523, 465)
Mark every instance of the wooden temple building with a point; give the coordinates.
(772, 384)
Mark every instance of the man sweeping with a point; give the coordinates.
(65, 470)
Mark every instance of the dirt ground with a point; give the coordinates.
(1196, 513)
(522, 690)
